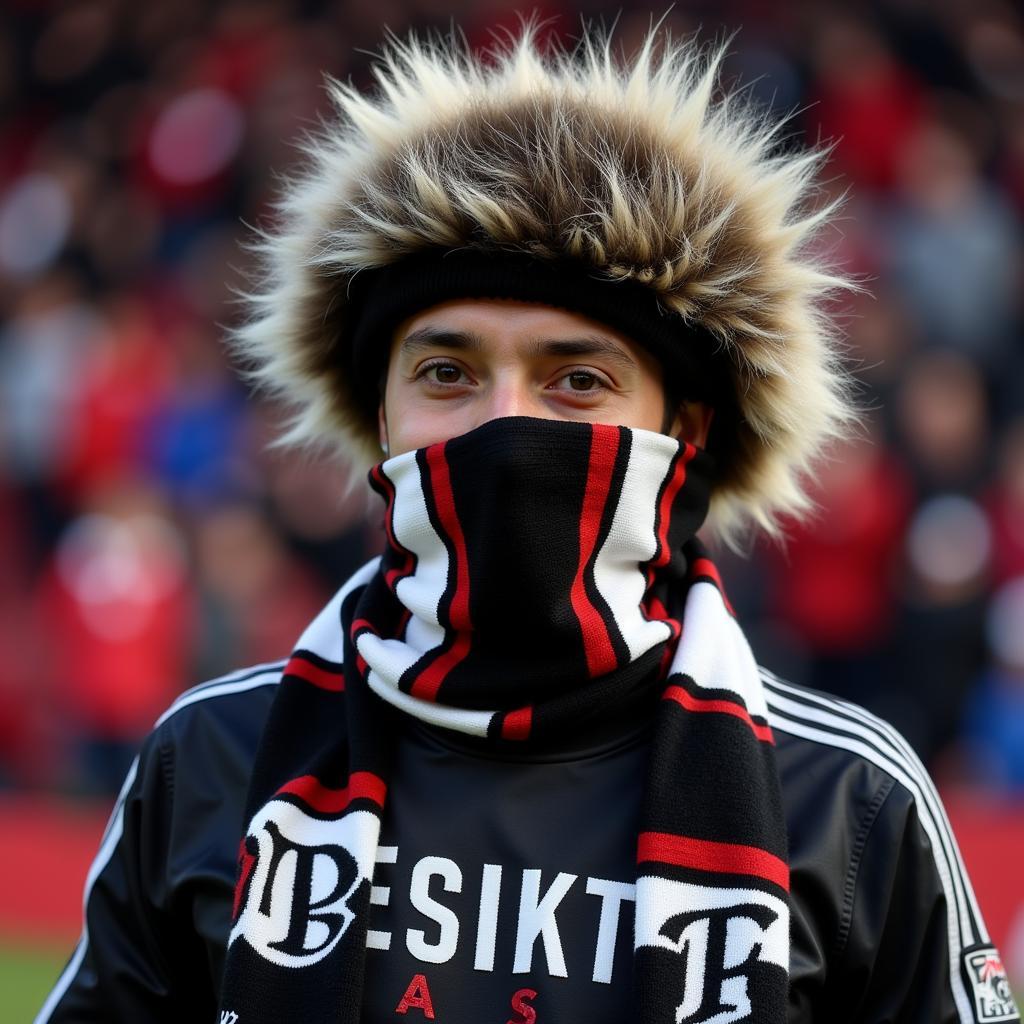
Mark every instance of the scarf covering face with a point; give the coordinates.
(540, 578)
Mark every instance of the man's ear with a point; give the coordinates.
(693, 423)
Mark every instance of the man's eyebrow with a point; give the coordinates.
(440, 337)
(588, 345)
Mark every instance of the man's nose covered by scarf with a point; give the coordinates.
(552, 543)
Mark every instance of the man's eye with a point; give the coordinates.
(441, 373)
(582, 381)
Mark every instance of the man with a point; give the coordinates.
(524, 767)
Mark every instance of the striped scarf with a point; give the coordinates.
(539, 577)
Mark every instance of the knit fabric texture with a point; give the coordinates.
(541, 578)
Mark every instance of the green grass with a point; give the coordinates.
(27, 974)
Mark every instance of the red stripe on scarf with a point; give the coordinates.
(707, 855)
(724, 707)
(246, 862)
(430, 680)
(392, 576)
(311, 791)
(359, 626)
(516, 724)
(655, 610)
(597, 644)
(668, 496)
(705, 567)
(325, 679)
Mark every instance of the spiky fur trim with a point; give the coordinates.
(639, 171)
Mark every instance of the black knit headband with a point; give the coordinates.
(381, 299)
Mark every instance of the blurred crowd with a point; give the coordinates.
(150, 538)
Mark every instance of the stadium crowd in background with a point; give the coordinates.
(150, 539)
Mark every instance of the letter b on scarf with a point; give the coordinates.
(298, 903)
(729, 946)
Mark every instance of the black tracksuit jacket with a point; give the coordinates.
(884, 925)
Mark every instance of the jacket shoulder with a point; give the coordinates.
(231, 706)
(837, 758)
(815, 726)
(210, 734)
(176, 821)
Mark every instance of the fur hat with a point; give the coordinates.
(638, 172)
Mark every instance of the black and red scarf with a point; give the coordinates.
(540, 577)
